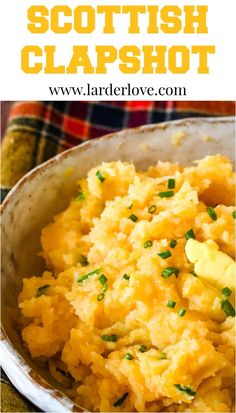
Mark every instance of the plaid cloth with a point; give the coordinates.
(37, 131)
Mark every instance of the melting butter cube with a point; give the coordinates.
(211, 264)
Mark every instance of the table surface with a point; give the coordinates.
(12, 400)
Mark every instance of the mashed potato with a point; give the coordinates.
(121, 315)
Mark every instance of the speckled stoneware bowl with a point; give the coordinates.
(47, 190)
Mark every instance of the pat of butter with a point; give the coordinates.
(211, 264)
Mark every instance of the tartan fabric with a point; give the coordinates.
(11, 400)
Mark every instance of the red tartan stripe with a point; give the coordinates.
(207, 107)
(75, 127)
(27, 109)
(140, 105)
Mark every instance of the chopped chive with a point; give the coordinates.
(128, 356)
(100, 176)
(83, 261)
(142, 348)
(190, 234)
(104, 288)
(165, 254)
(126, 276)
(228, 308)
(130, 206)
(102, 279)
(112, 338)
(234, 214)
(80, 196)
(173, 243)
(162, 355)
(185, 389)
(212, 213)
(121, 400)
(133, 218)
(171, 183)
(41, 290)
(182, 312)
(148, 244)
(194, 274)
(171, 304)
(86, 276)
(226, 291)
(100, 297)
(166, 194)
(167, 272)
(152, 209)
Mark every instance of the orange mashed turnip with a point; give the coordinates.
(126, 321)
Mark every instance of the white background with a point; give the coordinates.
(218, 85)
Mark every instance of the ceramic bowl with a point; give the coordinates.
(46, 190)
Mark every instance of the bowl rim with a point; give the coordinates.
(54, 396)
(84, 145)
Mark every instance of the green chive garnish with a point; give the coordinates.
(100, 297)
(185, 389)
(181, 312)
(86, 276)
(100, 176)
(83, 261)
(133, 218)
(194, 274)
(212, 213)
(234, 214)
(41, 290)
(152, 209)
(162, 355)
(128, 356)
(166, 194)
(104, 288)
(173, 243)
(148, 244)
(142, 348)
(102, 279)
(112, 338)
(167, 272)
(165, 254)
(171, 304)
(130, 206)
(80, 196)
(120, 400)
(190, 234)
(226, 291)
(171, 183)
(228, 308)
(126, 277)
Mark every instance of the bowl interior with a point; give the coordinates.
(48, 189)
